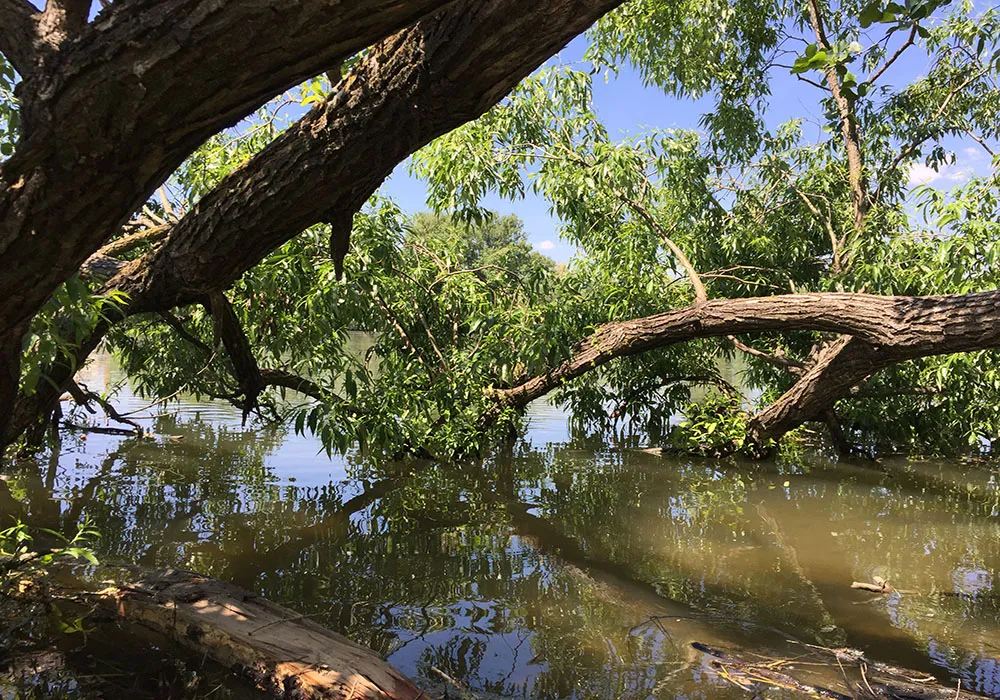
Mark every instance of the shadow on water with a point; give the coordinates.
(560, 568)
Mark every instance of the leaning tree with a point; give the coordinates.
(110, 105)
(689, 242)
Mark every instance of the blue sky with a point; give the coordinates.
(627, 107)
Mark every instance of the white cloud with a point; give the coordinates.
(921, 174)
(957, 174)
(973, 153)
(546, 245)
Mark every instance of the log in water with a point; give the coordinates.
(281, 652)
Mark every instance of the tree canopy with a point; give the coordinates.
(855, 299)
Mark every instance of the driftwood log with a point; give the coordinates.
(880, 586)
(863, 679)
(279, 651)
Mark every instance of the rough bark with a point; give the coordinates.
(107, 116)
(284, 654)
(18, 34)
(887, 330)
(413, 87)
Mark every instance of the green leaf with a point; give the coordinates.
(870, 14)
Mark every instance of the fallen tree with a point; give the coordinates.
(880, 331)
(281, 652)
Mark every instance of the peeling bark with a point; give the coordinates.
(62, 19)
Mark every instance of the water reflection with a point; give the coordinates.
(560, 568)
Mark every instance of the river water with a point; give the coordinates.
(565, 567)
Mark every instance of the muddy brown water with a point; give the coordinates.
(564, 567)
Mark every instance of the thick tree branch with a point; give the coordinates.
(105, 263)
(154, 78)
(411, 88)
(127, 244)
(19, 35)
(887, 330)
(838, 368)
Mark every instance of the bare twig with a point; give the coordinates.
(892, 59)
(978, 139)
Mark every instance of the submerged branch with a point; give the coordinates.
(83, 396)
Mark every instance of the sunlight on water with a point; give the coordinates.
(562, 567)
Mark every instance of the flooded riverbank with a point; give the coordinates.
(563, 567)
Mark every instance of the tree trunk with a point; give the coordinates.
(412, 87)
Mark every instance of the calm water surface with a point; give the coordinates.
(565, 567)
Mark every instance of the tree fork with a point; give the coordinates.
(877, 332)
(837, 369)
